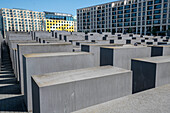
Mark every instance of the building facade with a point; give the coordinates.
(25, 21)
(21, 20)
(75, 23)
(59, 22)
(136, 16)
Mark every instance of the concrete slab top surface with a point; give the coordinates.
(41, 44)
(15, 41)
(156, 100)
(161, 46)
(158, 59)
(89, 42)
(124, 47)
(56, 54)
(103, 44)
(76, 75)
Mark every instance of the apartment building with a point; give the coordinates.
(75, 23)
(21, 20)
(59, 22)
(136, 16)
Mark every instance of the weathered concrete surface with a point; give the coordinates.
(13, 44)
(150, 72)
(36, 64)
(161, 50)
(38, 48)
(1, 41)
(68, 91)
(17, 36)
(41, 34)
(151, 101)
(121, 56)
(15, 63)
(95, 49)
(50, 40)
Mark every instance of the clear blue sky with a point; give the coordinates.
(63, 6)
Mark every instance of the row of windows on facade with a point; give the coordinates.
(58, 22)
(24, 30)
(121, 21)
(126, 6)
(23, 20)
(36, 26)
(126, 18)
(35, 17)
(164, 21)
(18, 23)
(21, 11)
(60, 27)
(21, 14)
(12, 28)
(127, 11)
(128, 24)
(156, 12)
(57, 17)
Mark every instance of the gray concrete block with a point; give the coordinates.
(40, 63)
(68, 91)
(150, 101)
(95, 49)
(13, 44)
(150, 72)
(38, 48)
(121, 56)
(161, 50)
(42, 34)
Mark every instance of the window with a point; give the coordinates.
(165, 11)
(150, 2)
(133, 24)
(156, 21)
(134, 14)
(120, 8)
(157, 6)
(127, 20)
(127, 15)
(149, 13)
(164, 16)
(149, 22)
(157, 16)
(134, 10)
(120, 16)
(127, 11)
(126, 24)
(127, 6)
(134, 5)
(165, 5)
(158, 1)
(157, 12)
(120, 12)
(133, 19)
(149, 17)
(150, 8)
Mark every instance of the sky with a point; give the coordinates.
(62, 6)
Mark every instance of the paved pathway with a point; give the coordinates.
(11, 101)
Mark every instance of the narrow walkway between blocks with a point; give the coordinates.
(10, 98)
